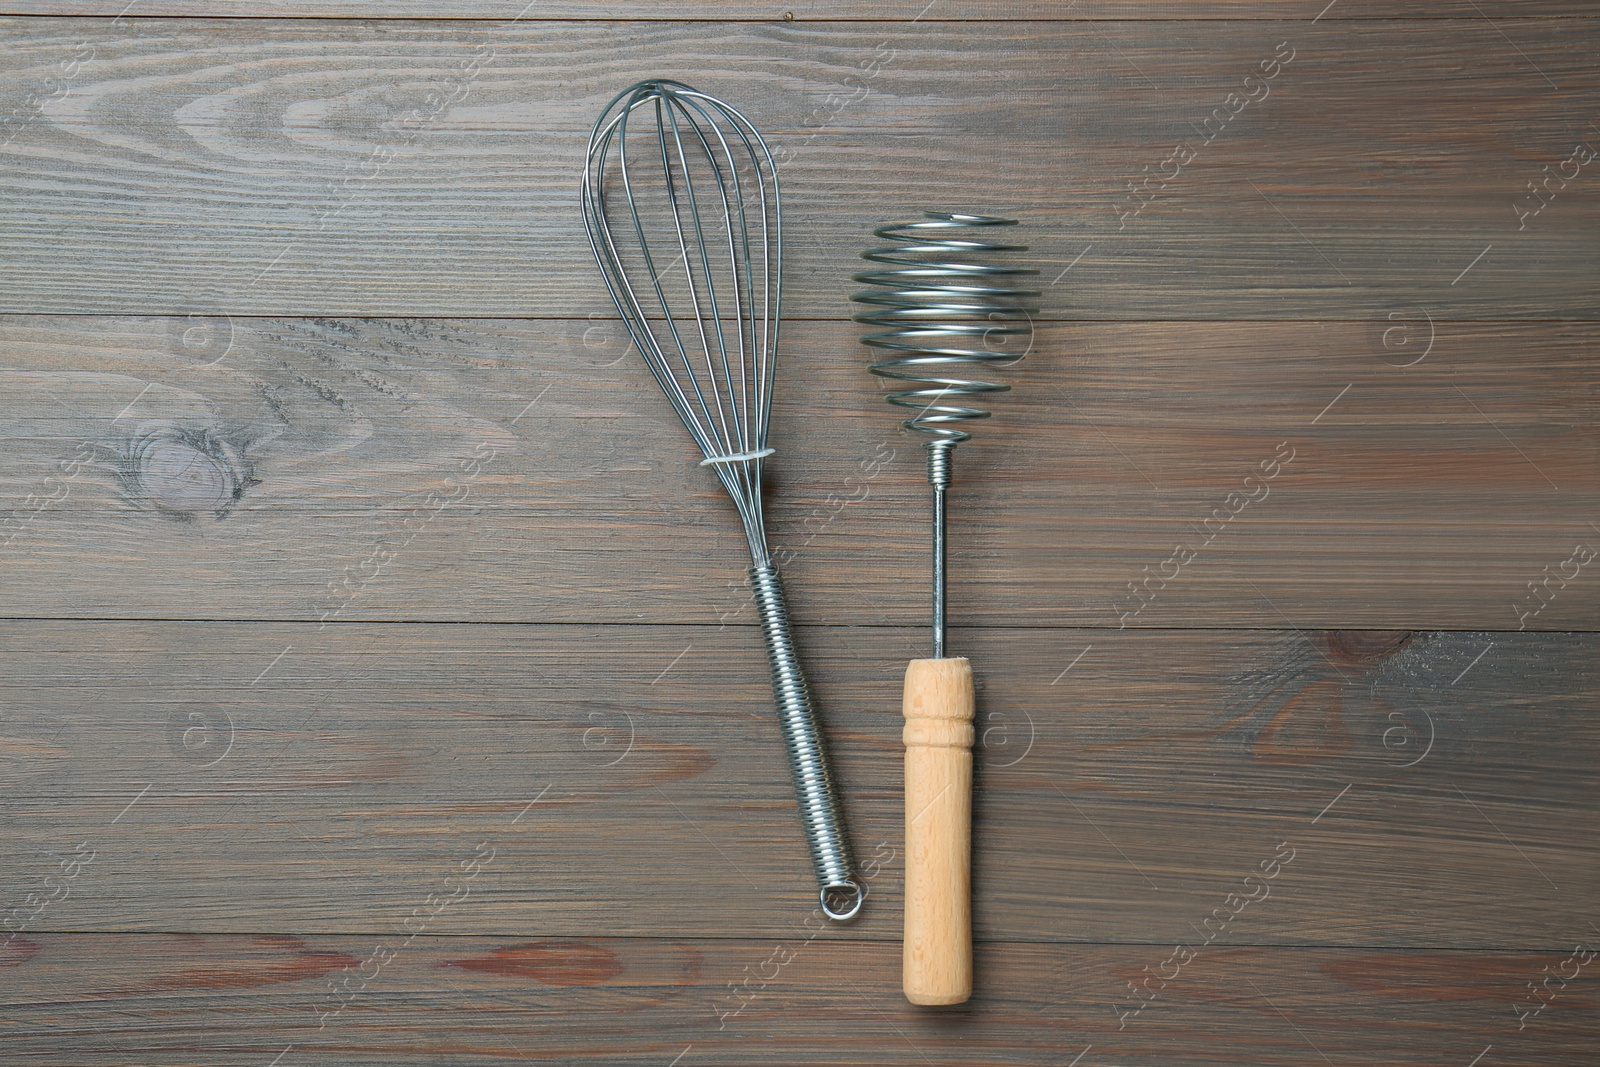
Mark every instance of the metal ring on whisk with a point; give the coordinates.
(841, 901)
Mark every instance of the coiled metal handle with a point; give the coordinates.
(841, 892)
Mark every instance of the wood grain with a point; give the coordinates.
(103, 1000)
(427, 169)
(249, 777)
(377, 684)
(939, 706)
(529, 471)
(863, 10)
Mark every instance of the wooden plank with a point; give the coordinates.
(1402, 790)
(863, 10)
(101, 999)
(529, 471)
(560, 841)
(429, 169)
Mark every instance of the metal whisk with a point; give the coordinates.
(691, 252)
(942, 306)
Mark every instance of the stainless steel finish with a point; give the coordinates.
(841, 893)
(938, 569)
(942, 306)
(682, 209)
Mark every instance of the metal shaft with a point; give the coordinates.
(939, 456)
(938, 572)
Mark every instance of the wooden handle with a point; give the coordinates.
(938, 737)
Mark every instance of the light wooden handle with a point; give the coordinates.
(938, 737)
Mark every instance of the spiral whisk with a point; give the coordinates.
(944, 306)
(681, 207)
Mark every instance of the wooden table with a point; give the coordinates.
(379, 683)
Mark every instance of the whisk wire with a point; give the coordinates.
(723, 401)
(940, 306)
(701, 245)
(732, 471)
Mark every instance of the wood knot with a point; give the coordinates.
(184, 472)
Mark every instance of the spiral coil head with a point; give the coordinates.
(943, 305)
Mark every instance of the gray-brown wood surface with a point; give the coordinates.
(377, 680)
